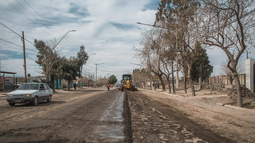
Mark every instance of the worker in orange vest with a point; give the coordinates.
(108, 86)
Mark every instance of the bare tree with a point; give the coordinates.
(152, 52)
(89, 78)
(224, 70)
(139, 76)
(178, 18)
(229, 25)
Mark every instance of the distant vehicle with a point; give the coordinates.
(116, 85)
(30, 93)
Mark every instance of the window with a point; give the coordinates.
(41, 87)
(45, 86)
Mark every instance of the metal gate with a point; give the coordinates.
(9, 83)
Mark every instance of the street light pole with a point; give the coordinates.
(63, 38)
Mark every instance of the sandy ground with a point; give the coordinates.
(227, 123)
(97, 115)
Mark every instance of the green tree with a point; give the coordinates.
(70, 69)
(82, 58)
(112, 79)
(47, 59)
(201, 66)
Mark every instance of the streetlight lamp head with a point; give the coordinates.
(63, 38)
(91, 54)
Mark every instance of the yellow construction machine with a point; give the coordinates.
(126, 82)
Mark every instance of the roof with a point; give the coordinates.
(8, 72)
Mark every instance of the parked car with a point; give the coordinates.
(30, 93)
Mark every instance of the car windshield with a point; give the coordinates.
(28, 87)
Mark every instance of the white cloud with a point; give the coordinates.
(16, 65)
(107, 28)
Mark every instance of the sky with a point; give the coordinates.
(108, 29)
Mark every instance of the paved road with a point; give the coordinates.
(87, 116)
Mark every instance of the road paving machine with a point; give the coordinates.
(126, 83)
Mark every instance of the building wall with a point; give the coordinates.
(58, 84)
(249, 68)
(224, 79)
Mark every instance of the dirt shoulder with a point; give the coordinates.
(237, 124)
(72, 116)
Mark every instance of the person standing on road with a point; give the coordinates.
(108, 86)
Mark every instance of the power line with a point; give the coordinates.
(46, 22)
(17, 45)
(31, 14)
(16, 33)
(106, 70)
(11, 43)
(27, 17)
(36, 18)
(10, 29)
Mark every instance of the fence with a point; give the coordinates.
(213, 80)
(224, 79)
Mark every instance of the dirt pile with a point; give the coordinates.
(247, 96)
(232, 93)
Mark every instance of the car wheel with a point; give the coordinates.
(11, 104)
(36, 101)
(49, 99)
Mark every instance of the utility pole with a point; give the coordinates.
(96, 71)
(177, 74)
(24, 53)
(96, 75)
(173, 74)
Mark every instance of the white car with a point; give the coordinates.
(30, 93)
